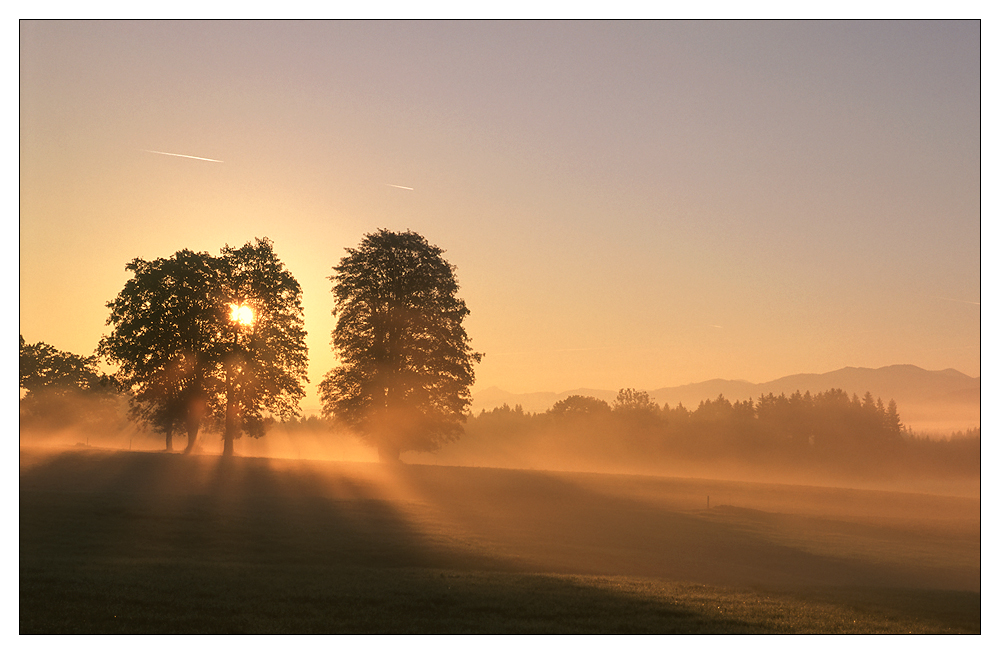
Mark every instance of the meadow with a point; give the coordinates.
(150, 542)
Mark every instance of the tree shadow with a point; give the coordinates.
(159, 543)
(571, 527)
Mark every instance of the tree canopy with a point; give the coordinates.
(165, 321)
(631, 400)
(61, 388)
(828, 434)
(42, 366)
(184, 357)
(406, 361)
(579, 405)
(264, 364)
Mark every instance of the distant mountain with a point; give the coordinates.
(928, 400)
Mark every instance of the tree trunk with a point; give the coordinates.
(170, 439)
(195, 413)
(229, 435)
(192, 432)
(388, 453)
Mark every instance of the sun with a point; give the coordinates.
(241, 314)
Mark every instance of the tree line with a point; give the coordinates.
(829, 431)
(201, 342)
(60, 389)
(217, 343)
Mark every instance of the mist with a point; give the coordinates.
(710, 442)
(460, 207)
(615, 513)
(612, 521)
(828, 441)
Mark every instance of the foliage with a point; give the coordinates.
(631, 400)
(406, 362)
(42, 366)
(579, 406)
(164, 340)
(61, 388)
(829, 432)
(264, 365)
(183, 357)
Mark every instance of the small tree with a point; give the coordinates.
(61, 387)
(630, 400)
(42, 366)
(893, 423)
(406, 362)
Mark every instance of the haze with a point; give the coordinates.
(627, 204)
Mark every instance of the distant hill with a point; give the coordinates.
(929, 400)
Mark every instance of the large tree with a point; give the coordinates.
(197, 336)
(406, 362)
(265, 356)
(164, 340)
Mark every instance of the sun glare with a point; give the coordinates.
(241, 314)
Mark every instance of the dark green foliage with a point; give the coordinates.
(406, 362)
(185, 360)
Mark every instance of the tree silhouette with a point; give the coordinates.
(184, 357)
(406, 363)
(579, 406)
(164, 340)
(265, 357)
(630, 400)
(43, 366)
(61, 387)
(892, 420)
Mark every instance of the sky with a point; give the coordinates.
(628, 204)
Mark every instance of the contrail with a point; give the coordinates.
(405, 188)
(186, 156)
(951, 299)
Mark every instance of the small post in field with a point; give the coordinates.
(708, 502)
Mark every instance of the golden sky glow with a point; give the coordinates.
(627, 204)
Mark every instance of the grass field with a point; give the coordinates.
(144, 542)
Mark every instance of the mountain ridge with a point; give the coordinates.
(928, 400)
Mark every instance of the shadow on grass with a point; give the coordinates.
(158, 543)
(575, 525)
